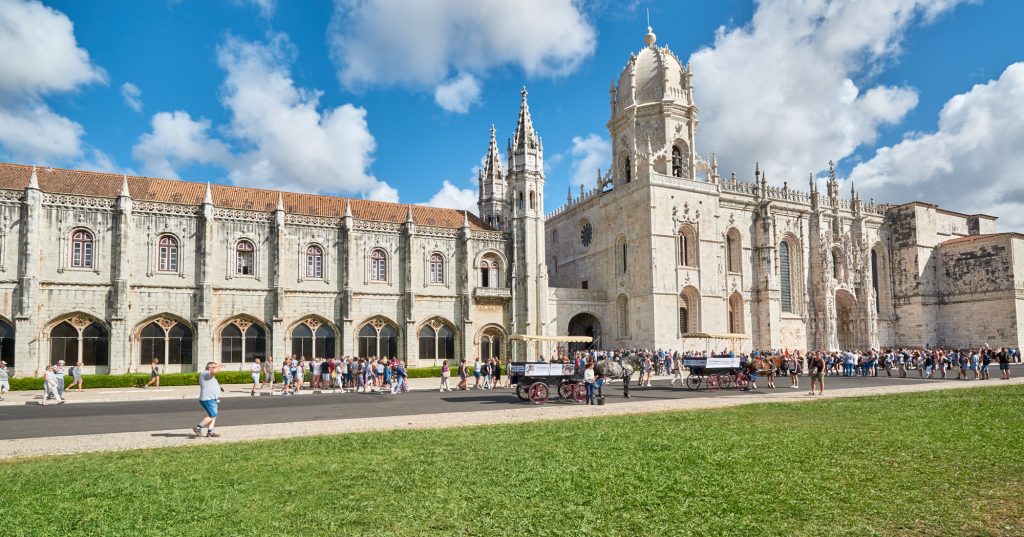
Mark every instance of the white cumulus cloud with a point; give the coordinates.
(132, 96)
(41, 57)
(590, 154)
(971, 163)
(781, 89)
(177, 139)
(280, 137)
(458, 94)
(453, 197)
(421, 44)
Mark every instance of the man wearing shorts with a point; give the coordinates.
(209, 396)
(76, 376)
(5, 384)
(256, 370)
(268, 373)
(817, 366)
(1004, 364)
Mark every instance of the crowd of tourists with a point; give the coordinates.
(365, 375)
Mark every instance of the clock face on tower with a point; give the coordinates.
(586, 235)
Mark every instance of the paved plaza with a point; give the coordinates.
(99, 420)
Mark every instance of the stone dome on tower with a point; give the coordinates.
(654, 74)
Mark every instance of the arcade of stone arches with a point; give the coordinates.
(170, 339)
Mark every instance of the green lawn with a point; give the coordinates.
(936, 463)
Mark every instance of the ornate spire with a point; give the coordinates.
(492, 162)
(408, 215)
(125, 193)
(348, 208)
(33, 180)
(524, 136)
(465, 218)
(280, 201)
(208, 195)
(757, 171)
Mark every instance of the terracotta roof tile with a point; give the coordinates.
(108, 185)
(971, 238)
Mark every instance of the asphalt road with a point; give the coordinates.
(35, 421)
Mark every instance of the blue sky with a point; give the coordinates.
(390, 98)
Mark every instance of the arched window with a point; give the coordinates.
(379, 339)
(318, 342)
(171, 346)
(437, 342)
(533, 200)
(167, 254)
(378, 265)
(785, 284)
(736, 313)
(245, 258)
(489, 276)
(153, 343)
(687, 246)
(88, 345)
(689, 310)
(81, 249)
(314, 262)
(733, 250)
(242, 341)
(436, 268)
(627, 170)
(623, 315)
(490, 344)
(7, 343)
(677, 162)
(520, 202)
(874, 280)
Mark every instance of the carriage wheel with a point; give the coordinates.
(538, 393)
(579, 393)
(566, 390)
(693, 381)
(742, 380)
(714, 382)
(523, 392)
(727, 380)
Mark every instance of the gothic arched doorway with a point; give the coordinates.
(585, 324)
(845, 323)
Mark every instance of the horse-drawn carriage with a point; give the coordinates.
(715, 373)
(534, 381)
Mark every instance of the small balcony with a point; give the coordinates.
(492, 294)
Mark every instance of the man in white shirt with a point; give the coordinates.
(50, 386)
(256, 370)
(5, 384)
(209, 397)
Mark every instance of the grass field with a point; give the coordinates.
(933, 463)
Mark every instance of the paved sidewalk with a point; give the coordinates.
(29, 447)
(167, 393)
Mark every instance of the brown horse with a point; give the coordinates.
(767, 366)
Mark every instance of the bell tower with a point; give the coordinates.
(525, 197)
(492, 202)
(653, 122)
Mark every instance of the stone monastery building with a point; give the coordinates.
(117, 270)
